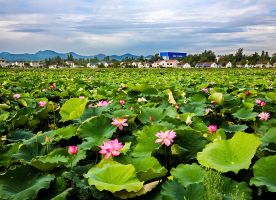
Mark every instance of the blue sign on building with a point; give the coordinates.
(172, 55)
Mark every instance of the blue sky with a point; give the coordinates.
(137, 26)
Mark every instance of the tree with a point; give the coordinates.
(106, 59)
(239, 55)
(207, 56)
(70, 57)
(155, 58)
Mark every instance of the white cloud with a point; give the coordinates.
(142, 27)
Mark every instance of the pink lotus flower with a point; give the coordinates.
(102, 103)
(53, 86)
(177, 107)
(111, 148)
(82, 97)
(165, 137)
(263, 116)
(247, 93)
(90, 105)
(42, 104)
(212, 128)
(120, 123)
(72, 150)
(16, 96)
(205, 90)
(122, 102)
(260, 102)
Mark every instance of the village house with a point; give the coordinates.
(206, 65)
(2, 62)
(165, 63)
(172, 63)
(248, 65)
(17, 64)
(159, 63)
(70, 64)
(52, 66)
(185, 65)
(268, 65)
(147, 65)
(35, 64)
(140, 65)
(134, 64)
(274, 65)
(91, 65)
(229, 65)
(259, 65)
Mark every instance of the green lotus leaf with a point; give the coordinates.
(187, 144)
(145, 189)
(19, 135)
(4, 106)
(113, 177)
(173, 190)
(65, 132)
(29, 151)
(234, 128)
(198, 98)
(143, 88)
(146, 141)
(3, 115)
(149, 115)
(6, 157)
(148, 168)
(245, 114)
(197, 108)
(188, 174)
(271, 95)
(63, 195)
(269, 137)
(96, 129)
(217, 97)
(122, 113)
(51, 160)
(23, 183)
(230, 155)
(264, 173)
(72, 109)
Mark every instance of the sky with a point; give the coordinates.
(141, 27)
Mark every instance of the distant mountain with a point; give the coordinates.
(42, 55)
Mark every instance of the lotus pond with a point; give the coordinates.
(168, 134)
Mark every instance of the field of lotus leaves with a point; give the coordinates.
(168, 134)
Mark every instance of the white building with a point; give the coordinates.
(165, 63)
(92, 65)
(2, 62)
(159, 63)
(185, 65)
(35, 64)
(229, 65)
(70, 64)
(172, 63)
(206, 65)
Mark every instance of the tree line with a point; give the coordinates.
(238, 58)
